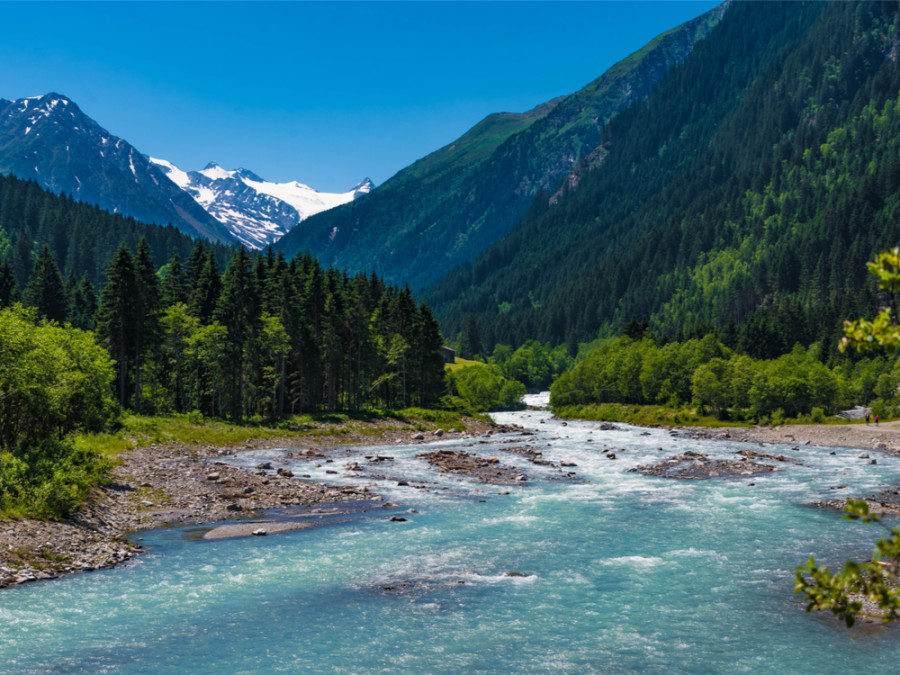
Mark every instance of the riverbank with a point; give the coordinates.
(176, 483)
(883, 437)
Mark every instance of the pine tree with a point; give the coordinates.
(46, 290)
(116, 319)
(83, 310)
(175, 285)
(238, 312)
(9, 290)
(147, 308)
(206, 291)
(469, 342)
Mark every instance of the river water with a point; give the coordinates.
(614, 573)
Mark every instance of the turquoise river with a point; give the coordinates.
(615, 573)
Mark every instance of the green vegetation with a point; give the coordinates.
(878, 580)
(643, 415)
(81, 238)
(742, 200)
(533, 364)
(460, 363)
(193, 429)
(186, 346)
(483, 387)
(53, 381)
(265, 340)
(710, 378)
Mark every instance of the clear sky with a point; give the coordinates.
(326, 93)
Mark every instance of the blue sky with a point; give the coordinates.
(325, 93)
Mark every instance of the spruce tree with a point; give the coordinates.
(147, 308)
(116, 318)
(9, 290)
(206, 291)
(83, 310)
(175, 285)
(238, 311)
(46, 290)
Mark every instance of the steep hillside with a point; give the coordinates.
(745, 197)
(448, 206)
(50, 140)
(82, 238)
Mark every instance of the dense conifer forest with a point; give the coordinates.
(82, 238)
(744, 199)
(264, 338)
(195, 326)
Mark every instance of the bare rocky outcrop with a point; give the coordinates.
(489, 470)
(696, 466)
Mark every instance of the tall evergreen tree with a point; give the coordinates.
(83, 308)
(175, 284)
(9, 290)
(238, 312)
(147, 308)
(206, 291)
(116, 319)
(46, 290)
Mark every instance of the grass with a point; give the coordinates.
(140, 430)
(462, 363)
(444, 419)
(644, 415)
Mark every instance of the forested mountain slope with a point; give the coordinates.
(82, 238)
(448, 206)
(745, 197)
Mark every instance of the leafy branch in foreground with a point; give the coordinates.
(883, 332)
(843, 592)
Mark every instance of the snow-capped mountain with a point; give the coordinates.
(255, 211)
(50, 140)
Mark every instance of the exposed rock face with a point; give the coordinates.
(695, 466)
(256, 212)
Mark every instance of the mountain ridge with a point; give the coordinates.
(256, 212)
(49, 139)
(413, 232)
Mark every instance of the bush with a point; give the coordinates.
(483, 387)
(49, 480)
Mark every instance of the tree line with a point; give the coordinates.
(705, 373)
(264, 338)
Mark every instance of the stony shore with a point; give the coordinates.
(171, 484)
(883, 437)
